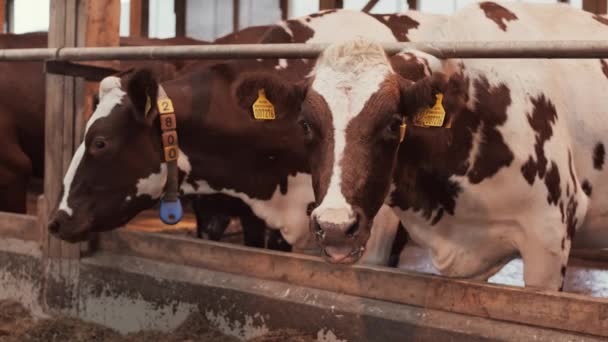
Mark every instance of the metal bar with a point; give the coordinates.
(479, 49)
(284, 5)
(412, 4)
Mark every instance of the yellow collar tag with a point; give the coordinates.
(402, 130)
(431, 117)
(263, 108)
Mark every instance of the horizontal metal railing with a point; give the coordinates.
(468, 49)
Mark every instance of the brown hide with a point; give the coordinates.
(22, 103)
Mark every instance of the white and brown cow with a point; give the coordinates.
(518, 172)
(223, 149)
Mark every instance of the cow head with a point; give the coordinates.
(350, 110)
(116, 171)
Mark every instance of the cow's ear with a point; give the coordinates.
(416, 96)
(285, 96)
(142, 89)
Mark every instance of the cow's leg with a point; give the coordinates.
(254, 229)
(544, 266)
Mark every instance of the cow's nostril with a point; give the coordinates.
(54, 227)
(352, 230)
(318, 230)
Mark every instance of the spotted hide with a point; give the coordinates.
(519, 172)
(222, 148)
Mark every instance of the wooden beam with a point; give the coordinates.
(18, 226)
(412, 4)
(595, 6)
(3, 13)
(138, 18)
(369, 6)
(236, 12)
(102, 29)
(330, 4)
(10, 15)
(563, 311)
(180, 17)
(284, 5)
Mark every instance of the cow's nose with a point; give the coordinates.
(335, 225)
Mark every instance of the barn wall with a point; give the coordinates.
(211, 19)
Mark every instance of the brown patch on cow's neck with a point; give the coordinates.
(212, 126)
(599, 154)
(399, 24)
(600, 19)
(497, 14)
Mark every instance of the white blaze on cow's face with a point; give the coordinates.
(119, 155)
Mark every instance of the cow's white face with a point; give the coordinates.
(116, 172)
(350, 113)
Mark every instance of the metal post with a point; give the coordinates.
(138, 18)
(179, 7)
(236, 11)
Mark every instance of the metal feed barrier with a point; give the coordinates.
(121, 254)
(467, 49)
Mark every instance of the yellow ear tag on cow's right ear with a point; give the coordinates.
(263, 108)
(431, 117)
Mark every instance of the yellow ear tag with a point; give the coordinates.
(148, 105)
(402, 130)
(263, 108)
(431, 117)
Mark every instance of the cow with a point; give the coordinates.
(223, 149)
(510, 168)
(22, 127)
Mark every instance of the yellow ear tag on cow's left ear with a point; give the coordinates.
(263, 108)
(148, 105)
(431, 117)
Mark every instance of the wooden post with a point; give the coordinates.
(102, 27)
(284, 4)
(60, 258)
(236, 11)
(138, 18)
(412, 4)
(330, 4)
(180, 17)
(72, 23)
(595, 6)
(3, 26)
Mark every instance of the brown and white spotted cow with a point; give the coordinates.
(518, 172)
(223, 149)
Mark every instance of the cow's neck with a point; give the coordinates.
(222, 148)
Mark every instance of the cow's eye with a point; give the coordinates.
(305, 127)
(99, 143)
